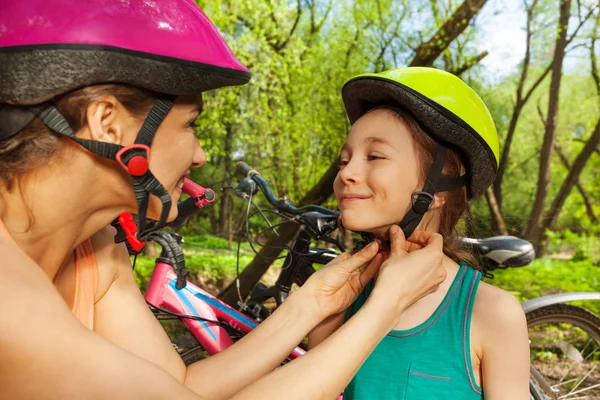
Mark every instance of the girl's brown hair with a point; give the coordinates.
(455, 201)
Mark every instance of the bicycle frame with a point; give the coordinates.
(191, 300)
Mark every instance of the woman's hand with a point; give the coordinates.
(413, 269)
(337, 285)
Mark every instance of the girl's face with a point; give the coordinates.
(378, 173)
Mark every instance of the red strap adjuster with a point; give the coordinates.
(137, 165)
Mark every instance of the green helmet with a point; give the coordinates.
(446, 107)
(453, 115)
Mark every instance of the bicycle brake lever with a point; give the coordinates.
(244, 188)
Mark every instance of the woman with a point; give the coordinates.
(422, 143)
(98, 99)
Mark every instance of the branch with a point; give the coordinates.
(428, 51)
(281, 46)
(469, 63)
(388, 41)
(438, 22)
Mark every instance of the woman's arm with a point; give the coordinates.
(325, 329)
(123, 318)
(501, 324)
(323, 372)
(45, 353)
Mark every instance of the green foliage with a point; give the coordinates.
(546, 276)
(289, 121)
(580, 247)
(206, 242)
(211, 262)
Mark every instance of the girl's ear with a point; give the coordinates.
(438, 202)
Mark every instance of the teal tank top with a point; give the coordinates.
(429, 361)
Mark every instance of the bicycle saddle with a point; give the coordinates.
(508, 251)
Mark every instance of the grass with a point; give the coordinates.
(546, 276)
(213, 265)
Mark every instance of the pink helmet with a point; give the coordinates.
(50, 47)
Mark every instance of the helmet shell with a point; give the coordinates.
(449, 110)
(49, 47)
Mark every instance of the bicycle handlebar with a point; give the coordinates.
(199, 197)
(284, 205)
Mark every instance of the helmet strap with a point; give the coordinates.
(422, 200)
(135, 158)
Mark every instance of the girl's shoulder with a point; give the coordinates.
(497, 314)
(493, 302)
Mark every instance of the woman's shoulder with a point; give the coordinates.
(112, 259)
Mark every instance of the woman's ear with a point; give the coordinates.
(105, 119)
(439, 201)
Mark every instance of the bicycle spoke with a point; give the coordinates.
(561, 383)
(568, 396)
(573, 364)
(581, 381)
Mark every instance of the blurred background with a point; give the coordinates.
(534, 62)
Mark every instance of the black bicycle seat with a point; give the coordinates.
(508, 251)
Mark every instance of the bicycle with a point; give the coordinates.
(215, 325)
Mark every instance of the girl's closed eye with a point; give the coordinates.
(342, 163)
(373, 157)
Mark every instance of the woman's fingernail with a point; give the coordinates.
(394, 229)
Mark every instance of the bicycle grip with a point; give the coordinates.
(244, 169)
(185, 210)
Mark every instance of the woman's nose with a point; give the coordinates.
(199, 155)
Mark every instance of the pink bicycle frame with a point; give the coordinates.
(192, 300)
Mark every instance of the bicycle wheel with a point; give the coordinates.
(565, 349)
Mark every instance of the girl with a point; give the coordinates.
(98, 98)
(422, 143)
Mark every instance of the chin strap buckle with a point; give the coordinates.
(422, 202)
(127, 232)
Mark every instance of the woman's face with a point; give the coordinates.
(175, 149)
(378, 173)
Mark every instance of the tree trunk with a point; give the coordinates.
(571, 179)
(496, 212)
(518, 107)
(586, 199)
(534, 230)
(224, 205)
(259, 265)
(549, 222)
(150, 250)
(497, 187)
